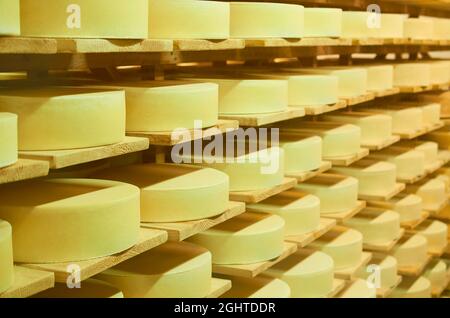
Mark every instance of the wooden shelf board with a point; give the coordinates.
(182, 230)
(367, 41)
(24, 169)
(352, 101)
(149, 239)
(29, 282)
(306, 239)
(440, 87)
(219, 287)
(432, 168)
(349, 273)
(443, 215)
(348, 160)
(344, 216)
(414, 271)
(399, 187)
(252, 270)
(410, 225)
(260, 195)
(437, 253)
(113, 46)
(415, 89)
(208, 45)
(303, 176)
(322, 109)
(385, 247)
(412, 134)
(437, 210)
(166, 138)
(413, 179)
(435, 127)
(58, 159)
(257, 120)
(444, 156)
(383, 144)
(282, 42)
(23, 45)
(338, 286)
(385, 292)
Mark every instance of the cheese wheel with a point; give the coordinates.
(392, 26)
(412, 74)
(436, 273)
(375, 128)
(172, 193)
(188, 19)
(408, 206)
(376, 227)
(172, 270)
(322, 22)
(9, 17)
(8, 139)
(404, 120)
(410, 251)
(68, 220)
(266, 20)
(90, 288)
(359, 289)
(66, 118)
(412, 287)
(336, 194)
(301, 154)
(436, 234)
(374, 177)
(246, 239)
(409, 163)
(343, 245)
(433, 193)
(355, 24)
(385, 270)
(300, 211)
(64, 18)
(431, 114)
(418, 29)
(257, 287)
(6, 256)
(428, 149)
(308, 275)
(441, 28)
(440, 73)
(380, 77)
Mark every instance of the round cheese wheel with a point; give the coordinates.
(301, 154)
(410, 251)
(300, 211)
(308, 275)
(257, 287)
(436, 234)
(431, 114)
(380, 77)
(440, 73)
(343, 245)
(323, 22)
(418, 29)
(441, 28)
(268, 20)
(9, 17)
(246, 239)
(409, 207)
(68, 220)
(66, 118)
(6, 256)
(359, 289)
(408, 163)
(436, 273)
(412, 74)
(8, 139)
(433, 193)
(188, 19)
(430, 151)
(90, 288)
(174, 193)
(392, 26)
(172, 270)
(64, 18)
(412, 287)
(382, 265)
(405, 120)
(355, 24)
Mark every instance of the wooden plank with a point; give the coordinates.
(283, 42)
(387, 92)
(260, 195)
(257, 120)
(322, 109)
(349, 273)
(113, 46)
(252, 270)
(338, 286)
(24, 169)
(22, 45)
(439, 209)
(169, 139)
(149, 239)
(415, 270)
(306, 239)
(344, 216)
(368, 41)
(384, 247)
(208, 45)
(385, 292)
(182, 230)
(28, 282)
(437, 253)
(410, 225)
(399, 187)
(384, 144)
(58, 159)
(219, 287)
(412, 134)
(348, 160)
(351, 101)
(432, 168)
(415, 89)
(412, 180)
(304, 176)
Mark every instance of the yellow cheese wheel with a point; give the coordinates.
(412, 74)
(8, 139)
(436, 234)
(419, 29)
(90, 288)
(66, 118)
(392, 26)
(246, 239)
(404, 120)
(409, 163)
(9, 17)
(188, 19)
(433, 193)
(380, 77)
(84, 19)
(173, 193)
(323, 22)
(408, 206)
(436, 273)
(440, 72)
(67, 220)
(387, 267)
(355, 24)
(431, 114)
(172, 270)
(410, 251)
(257, 287)
(359, 289)
(6, 256)
(441, 28)
(266, 20)
(308, 275)
(300, 211)
(430, 150)
(412, 287)
(301, 154)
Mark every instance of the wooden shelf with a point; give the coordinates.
(344, 216)
(22, 45)
(412, 180)
(384, 247)
(208, 45)
(348, 160)
(414, 271)
(352, 101)
(260, 195)
(349, 273)
(322, 109)
(148, 239)
(24, 169)
(304, 176)
(385, 93)
(183, 230)
(410, 225)
(29, 282)
(399, 187)
(415, 89)
(306, 239)
(432, 168)
(58, 159)
(437, 253)
(338, 286)
(383, 144)
(113, 46)
(257, 120)
(252, 270)
(437, 210)
(282, 42)
(385, 292)
(219, 287)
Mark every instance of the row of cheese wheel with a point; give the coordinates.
(194, 19)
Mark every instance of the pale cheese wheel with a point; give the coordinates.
(301, 154)
(66, 118)
(441, 28)
(336, 194)
(68, 220)
(258, 287)
(84, 19)
(404, 120)
(308, 275)
(436, 273)
(9, 17)
(355, 24)
(418, 29)
(323, 22)
(172, 270)
(246, 239)
(410, 251)
(380, 77)
(436, 234)
(412, 74)
(345, 246)
(376, 227)
(8, 139)
(266, 20)
(174, 193)
(300, 211)
(385, 268)
(359, 289)
(431, 114)
(409, 163)
(408, 206)
(90, 288)
(412, 287)
(433, 193)
(391, 27)
(440, 72)
(6, 256)
(188, 19)
(430, 150)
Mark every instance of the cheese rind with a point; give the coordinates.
(8, 139)
(418, 29)
(6, 256)
(436, 234)
(436, 273)
(412, 74)
(431, 114)
(90, 288)
(409, 207)
(67, 220)
(412, 287)
(64, 18)
(392, 26)
(257, 287)
(380, 77)
(322, 22)
(433, 193)
(301, 154)
(246, 239)
(355, 24)
(66, 118)
(387, 265)
(409, 164)
(410, 251)
(9, 17)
